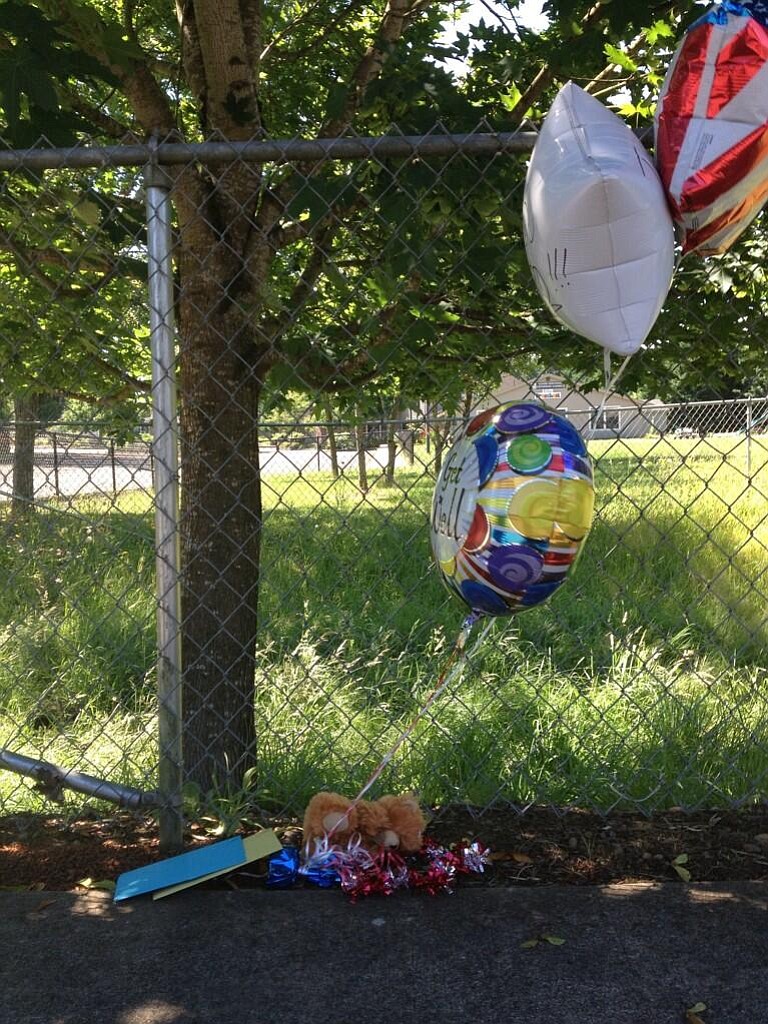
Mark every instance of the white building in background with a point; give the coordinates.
(618, 416)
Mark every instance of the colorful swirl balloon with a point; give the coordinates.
(512, 505)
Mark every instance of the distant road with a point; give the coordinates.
(90, 471)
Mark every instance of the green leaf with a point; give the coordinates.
(89, 883)
(87, 211)
(617, 56)
(659, 30)
(697, 1008)
(684, 873)
(22, 73)
(553, 940)
(10, 99)
(25, 20)
(529, 944)
(509, 102)
(681, 859)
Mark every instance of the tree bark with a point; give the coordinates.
(230, 230)
(333, 449)
(439, 446)
(26, 411)
(389, 472)
(221, 376)
(362, 468)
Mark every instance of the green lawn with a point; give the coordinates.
(642, 683)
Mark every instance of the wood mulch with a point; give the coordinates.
(541, 847)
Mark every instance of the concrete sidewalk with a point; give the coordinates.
(632, 953)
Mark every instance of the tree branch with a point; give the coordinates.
(29, 263)
(370, 64)
(89, 31)
(109, 125)
(316, 264)
(368, 69)
(354, 376)
(191, 56)
(326, 26)
(547, 74)
(128, 391)
(32, 257)
(294, 232)
(129, 9)
(608, 71)
(135, 383)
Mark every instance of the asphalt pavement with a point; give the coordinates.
(642, 953)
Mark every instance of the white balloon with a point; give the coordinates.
(598, 233)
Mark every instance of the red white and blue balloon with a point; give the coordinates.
(512, 505)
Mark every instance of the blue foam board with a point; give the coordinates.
(217, 857)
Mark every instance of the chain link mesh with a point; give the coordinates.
(337, 323)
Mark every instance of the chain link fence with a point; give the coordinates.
(236, 605)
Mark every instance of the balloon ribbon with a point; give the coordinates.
(453, 665)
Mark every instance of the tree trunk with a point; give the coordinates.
(389, 472)
(26, 410)
(220, 527)
(409, 445)
(333, 450)
(439, 445)
(362, 468)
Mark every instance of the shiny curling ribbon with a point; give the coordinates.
(283, 868)
(473, 856)
(325, 867)
(386, 872)
(358, 872)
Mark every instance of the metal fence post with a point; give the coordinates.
(749, 438)
(166, 483)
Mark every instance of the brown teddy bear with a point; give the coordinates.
(395, 822)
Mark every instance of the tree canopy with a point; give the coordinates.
(361, 281)
(417, 265)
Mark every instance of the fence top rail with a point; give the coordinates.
(268, 151)
(650, 405)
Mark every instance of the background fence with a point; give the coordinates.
(335, 321)
(73, 460)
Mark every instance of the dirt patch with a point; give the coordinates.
(581, 848)
(538, 848)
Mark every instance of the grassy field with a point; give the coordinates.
(642, 683)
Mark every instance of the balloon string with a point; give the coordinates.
(454, 663)
(610, 388)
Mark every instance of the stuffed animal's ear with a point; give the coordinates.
(325, 807)
(410, 802)
(336, 818)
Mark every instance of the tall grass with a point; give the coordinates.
(641, 683)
